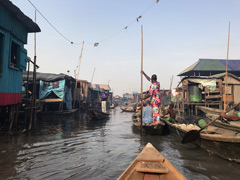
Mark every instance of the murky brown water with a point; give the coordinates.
(76, 147)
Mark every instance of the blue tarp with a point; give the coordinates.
(57, 87)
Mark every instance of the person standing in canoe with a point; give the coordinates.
(155, 96)
(104, 101)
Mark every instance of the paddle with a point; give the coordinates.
(193, 135)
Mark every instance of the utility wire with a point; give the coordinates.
(50, 23)
(107, 38)
(126, 27)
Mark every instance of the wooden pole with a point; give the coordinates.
(75, 89)
(26, 101)
(141, 77)
(33, 105)
(93, 75)
(171, 80)
(225, 100)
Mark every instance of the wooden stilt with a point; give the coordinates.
(16, 115)
(11, 118)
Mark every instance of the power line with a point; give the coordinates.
(107, 38)
(126, 27)
(50, 23)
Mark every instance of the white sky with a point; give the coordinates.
(176, 33)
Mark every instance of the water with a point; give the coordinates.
(76, 147)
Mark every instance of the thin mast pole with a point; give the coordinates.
(93, 75)
(141, 77)
(33, 104)
(225, 102)
(75, 89)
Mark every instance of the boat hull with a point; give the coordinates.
(97, 115)
(125, 109)
(150, 164)
(213, 113)
(153, 129)
(226, 147)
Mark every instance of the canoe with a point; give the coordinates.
(213, 113)
(64, 112)
(151, 164)
(218, 141)
(112, 106)
(231, 125)
(126, 109)
(97, 114)
(153, 129)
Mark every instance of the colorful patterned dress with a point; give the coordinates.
(154, 92)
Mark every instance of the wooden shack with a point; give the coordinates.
(54, 91)
(203, 85)
(81, 95)
(14, 29)
(95, 95)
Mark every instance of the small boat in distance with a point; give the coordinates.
(151, 164)
(97, 114)
(126, 109)
(153, 129)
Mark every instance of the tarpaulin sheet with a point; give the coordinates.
(210, 84)
(57, 87)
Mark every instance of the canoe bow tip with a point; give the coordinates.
(149, 145)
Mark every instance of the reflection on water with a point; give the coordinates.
(76, 147)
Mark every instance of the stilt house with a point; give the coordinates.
(205, 83)
(54, 91)
(14, 29)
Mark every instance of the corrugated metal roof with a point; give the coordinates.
(216, 76)
(222, 75)
(18, 14)
(207, 67)
(101, 86)
(46, 76)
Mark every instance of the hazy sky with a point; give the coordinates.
(176, 33)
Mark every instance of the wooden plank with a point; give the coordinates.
(151, 167)
(213, 96)
(151, 177)
(229, 98)
(150, 154)
(51, 100)
(217, 90)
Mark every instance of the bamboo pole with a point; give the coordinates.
(33, 104)
(171, 81)
(93, 75)
(225, 102)
(75, 89)
(141, 78)
(26, 101)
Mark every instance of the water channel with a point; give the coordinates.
(78, 148)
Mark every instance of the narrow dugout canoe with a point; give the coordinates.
(231, 125)
(213, 112)
(97, 115)
(153, 129)
(151, 164)
(126, 109)
(218, 141)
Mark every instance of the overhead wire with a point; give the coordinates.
(126, 27)
(95, 44)
(50, 23)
